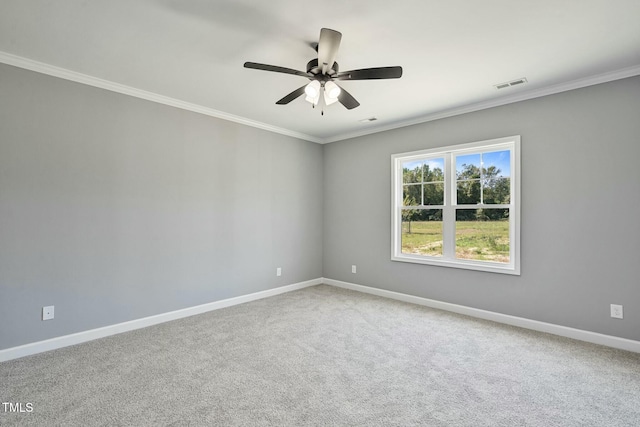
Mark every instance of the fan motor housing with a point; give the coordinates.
(312, 67)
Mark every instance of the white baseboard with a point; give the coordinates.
(80, 337)
(564, 331)
(84, 336)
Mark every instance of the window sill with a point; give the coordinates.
(491, 267)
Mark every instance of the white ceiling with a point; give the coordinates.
(191, 53)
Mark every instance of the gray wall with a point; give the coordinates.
(580, 208)
(113, 208)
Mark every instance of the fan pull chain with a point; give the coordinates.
(321, 111)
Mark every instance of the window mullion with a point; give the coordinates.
(422, 184)
(448, 212)
(481, 178)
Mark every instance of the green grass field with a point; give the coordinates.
(477, 240)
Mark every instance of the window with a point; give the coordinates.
(458, 206)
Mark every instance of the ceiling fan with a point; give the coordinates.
(323, 70)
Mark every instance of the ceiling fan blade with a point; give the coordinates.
(275, 69)
(371, 73)
(328, 46)
(293, 95)
(347, 100)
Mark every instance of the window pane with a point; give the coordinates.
(468, 166)
(422, 232)
(433, 170)
(468, 179)
(495, 173)
(497, 164)
(412, 171)
(412, 195)
(482, 234)
(496, 191)
(433, 194)
(468, 192)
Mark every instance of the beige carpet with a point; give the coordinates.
(326, 356)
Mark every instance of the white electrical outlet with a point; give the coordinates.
(47, 312)
(353, 269)
(279, 271)
(616, 311)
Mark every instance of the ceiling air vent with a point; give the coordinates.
(511, 83)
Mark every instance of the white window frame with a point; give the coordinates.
(450, 206)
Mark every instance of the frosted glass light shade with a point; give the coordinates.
(332, 90)
(327, 99)
(313, 89)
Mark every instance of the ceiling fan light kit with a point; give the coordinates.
(322, 72)
(332, 90)
(312, 89)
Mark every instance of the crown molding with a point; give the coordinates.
(521, 96)
(63, 73)
(51, 70)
